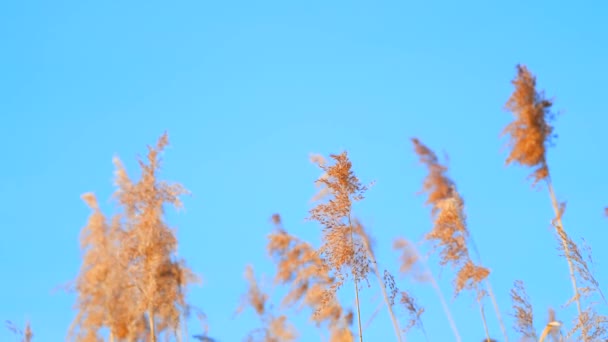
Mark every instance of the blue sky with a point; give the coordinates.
(247, 90)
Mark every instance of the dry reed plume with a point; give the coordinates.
(529, 135)
(130, 281)
(131, 285)
(300, 266)
(449, 234)
(341, 250)
(531, 131)
(102, 287)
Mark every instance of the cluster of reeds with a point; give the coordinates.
(131, 286)
(131, 283)
(346, 253)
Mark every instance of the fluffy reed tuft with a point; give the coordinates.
(301, 267)
(341, 250)
(529, 135)
(103, 291)
(449, 233)
(530, 132)
(143, 283)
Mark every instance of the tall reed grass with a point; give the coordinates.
(132, 285)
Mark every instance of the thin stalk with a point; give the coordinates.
(186, 328)
(559, 227)
(490, 292)
(371, 318)
(178, 334)
(444, 304)
(495, 305)
(383, 288)
(358, 310)
(151, 323)
(446, 308)
(483, 318)
(352, 240)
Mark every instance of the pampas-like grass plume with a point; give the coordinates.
(131, 282)
(530, 132)
(449, 233)
(529, 135)
(308, 276)
(341, 250)
(104, 294)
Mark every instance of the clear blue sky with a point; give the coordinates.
(247, 90)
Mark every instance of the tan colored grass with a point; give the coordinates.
(530, 132)
(341, 250)
(143, 283)
(449, 234)
(529, 135)
(104, 293)
(300, 267)
(150, 244)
